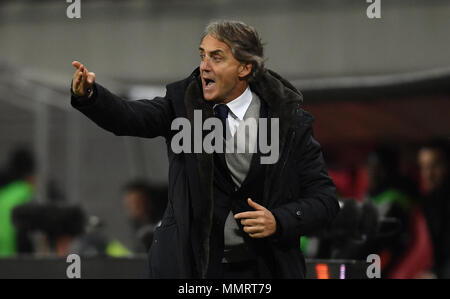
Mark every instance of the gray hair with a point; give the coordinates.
(243, 40)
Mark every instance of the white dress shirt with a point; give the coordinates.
(238, 107)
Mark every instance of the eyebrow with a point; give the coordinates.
(213, 52)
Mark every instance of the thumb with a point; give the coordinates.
(255, 205)
(91, 78)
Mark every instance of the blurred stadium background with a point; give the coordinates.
(367, 82)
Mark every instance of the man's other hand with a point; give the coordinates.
(259, 223)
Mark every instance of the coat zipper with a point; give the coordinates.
(291, 138)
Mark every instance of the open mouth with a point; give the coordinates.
(209, 83)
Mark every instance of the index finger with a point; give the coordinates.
(247, 215)
(76, 64)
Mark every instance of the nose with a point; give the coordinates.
(204, 65)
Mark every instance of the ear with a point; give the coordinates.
(245, 70)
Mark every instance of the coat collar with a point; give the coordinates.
(281, 97)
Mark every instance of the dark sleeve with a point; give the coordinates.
(317, 205)
(141, 118)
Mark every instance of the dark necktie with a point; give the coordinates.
(221, 112)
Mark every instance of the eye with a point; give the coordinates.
(217, 58)
(202, 56)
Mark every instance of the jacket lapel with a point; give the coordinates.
(255, 165)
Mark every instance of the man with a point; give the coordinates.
(144, 205)
(433, 163)
(19, 189)
(433, 160)
(228, 215)
(392, 195)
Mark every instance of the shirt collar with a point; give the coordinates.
(239, 105)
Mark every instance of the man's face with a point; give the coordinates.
(223, 77)
(432, 168)
(134, 204)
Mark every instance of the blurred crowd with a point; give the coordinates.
(54, 226)
(401, 218)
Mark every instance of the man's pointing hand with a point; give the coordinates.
(259, 223)
(82, 79)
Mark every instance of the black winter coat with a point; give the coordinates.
(297, 189)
